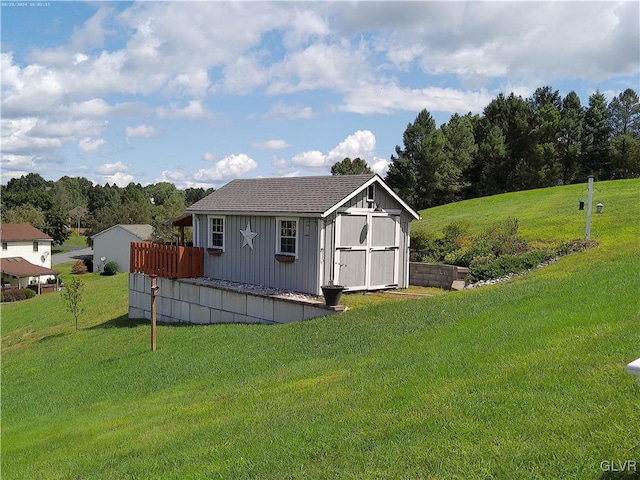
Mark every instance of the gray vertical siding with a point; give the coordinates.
(259, 266)
(386, 202)
(313, 267)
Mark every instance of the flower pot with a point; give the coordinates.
(332, 294)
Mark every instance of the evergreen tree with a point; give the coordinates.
(595, 159)
(569, 142)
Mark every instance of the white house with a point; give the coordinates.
(25, 258)
(114, 243)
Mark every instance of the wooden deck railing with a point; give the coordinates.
(166, 261)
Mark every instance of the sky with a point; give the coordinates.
(200, 93)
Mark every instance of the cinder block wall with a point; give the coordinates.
(435, 275)
(189, 302)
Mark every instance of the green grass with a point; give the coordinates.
(520, 380)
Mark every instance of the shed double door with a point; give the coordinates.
(367, 250)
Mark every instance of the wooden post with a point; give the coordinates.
(154, 292)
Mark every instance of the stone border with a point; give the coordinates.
(194, 301)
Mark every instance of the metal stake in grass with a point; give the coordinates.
(589, 208)
(154, 293)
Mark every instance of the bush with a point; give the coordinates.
(506, 264)
(79, 268)
(28, 293)
(13, 295)
(88, 262)
(110, 268)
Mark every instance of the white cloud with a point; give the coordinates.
(271, 145)
(380, 166)
(141, 131)
(119, 178)
(87, 144)
(110, 169)
(389, 98)
(193, 111)
(280, 111)
(231, 166)
(360, 144)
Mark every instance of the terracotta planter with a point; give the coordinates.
(332, 294)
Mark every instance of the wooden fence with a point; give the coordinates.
(167, 261)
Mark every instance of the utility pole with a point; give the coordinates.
(589, 207)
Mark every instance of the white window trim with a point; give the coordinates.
(372, 188)
(279, 238)
(210, 231)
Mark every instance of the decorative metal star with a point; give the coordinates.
(248, 236)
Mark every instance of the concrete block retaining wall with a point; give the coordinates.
(435, 275)
(188, 301)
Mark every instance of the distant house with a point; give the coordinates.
(113, 244)
(304, 232)
(25, 258)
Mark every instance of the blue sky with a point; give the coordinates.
(200, 93)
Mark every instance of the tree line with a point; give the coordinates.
(517, 144)
(48, 205)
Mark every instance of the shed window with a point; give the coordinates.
(216, 229)
(288, 236)
(371, 193)
(5, 246)
(35, 246)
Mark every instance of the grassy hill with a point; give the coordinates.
(520, 380)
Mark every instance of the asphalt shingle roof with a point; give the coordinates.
(14, 232)
(289, 194)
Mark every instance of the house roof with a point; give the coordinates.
(14, 232)
(143, 230)
(19, 267)
(312, 195)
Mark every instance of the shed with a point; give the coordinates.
(113, 244)
(300, 233)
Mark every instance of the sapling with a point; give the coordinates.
(72, 295)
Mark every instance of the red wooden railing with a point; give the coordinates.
(166, 261)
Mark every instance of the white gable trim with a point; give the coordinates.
(376, 179)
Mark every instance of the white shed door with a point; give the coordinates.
(367, 249)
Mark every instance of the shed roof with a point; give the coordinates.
(19, 267)
(312, 195)
(142, 230)
(14, 232)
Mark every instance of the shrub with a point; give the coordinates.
(28, 293)
(110, 268)
(79, 268)
(506, 264)
(13, 295)
(426, 248)
(88, 262)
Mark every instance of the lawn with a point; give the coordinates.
(520, 380)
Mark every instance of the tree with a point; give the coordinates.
(569, 142)
(624, 114)
(460, 149)
(192, 195)
(25, 213)
(72, 295)
(624, 121)
(408, 171)
(347, 166)
(595, 140)
(512, 115)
